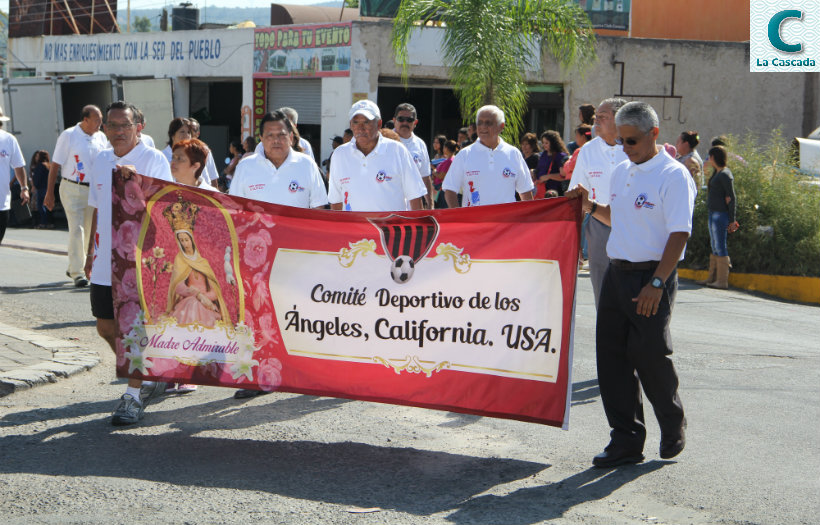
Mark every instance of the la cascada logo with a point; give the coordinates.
(784, 36)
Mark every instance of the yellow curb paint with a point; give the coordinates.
(803, 289)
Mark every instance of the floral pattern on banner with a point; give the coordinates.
(158, 250)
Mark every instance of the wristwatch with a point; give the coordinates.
(656, 282)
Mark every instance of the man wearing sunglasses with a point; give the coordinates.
(406, 121)
(650, 213)
(593, 169)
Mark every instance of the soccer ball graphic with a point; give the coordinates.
(293, 186)
(402, 269)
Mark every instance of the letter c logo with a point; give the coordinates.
(774, 31)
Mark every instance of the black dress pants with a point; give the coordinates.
(634, 351)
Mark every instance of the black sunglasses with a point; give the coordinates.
(405, 119)
(629, 142)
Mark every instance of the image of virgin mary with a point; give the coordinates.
(194, 295)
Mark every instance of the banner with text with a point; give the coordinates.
(318, 50)
(469, 310)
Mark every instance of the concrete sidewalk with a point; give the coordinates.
(29, 358)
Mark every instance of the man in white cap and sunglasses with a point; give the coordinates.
(372, 173)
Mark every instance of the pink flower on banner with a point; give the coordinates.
(256, 248)
(128, 286)
(269, 374)
(147, 184)
(268, 332)
(165, 366)
(260, 289)
(126, 315)
(125, 239)
(134, 199)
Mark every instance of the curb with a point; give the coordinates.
(68, 358)
(802, 289)
(36, 247)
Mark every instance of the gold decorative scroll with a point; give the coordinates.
(461, 262)
(412, 365)
(347, 256)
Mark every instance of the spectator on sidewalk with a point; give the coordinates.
(40, 165)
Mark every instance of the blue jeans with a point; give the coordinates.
(718, 222)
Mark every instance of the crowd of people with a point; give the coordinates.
(638, 198)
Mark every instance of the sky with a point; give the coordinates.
(158, 4)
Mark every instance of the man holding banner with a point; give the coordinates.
(121, 128)
(277, 174)
(650, 213)
(488, 171)
(372, 173)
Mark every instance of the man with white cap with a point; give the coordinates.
(10, 157)
(76, 149)
(373, 173)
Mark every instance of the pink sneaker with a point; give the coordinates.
(184, 389)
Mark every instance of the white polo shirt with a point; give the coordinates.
(147, 161)
(210, 171)
(488, 176)
(418, 150)
(76, 150)
(307, 149)
(384, 180)
(296, 182)
(10, 157)
(594, 167)
(147, 140)
(648, 202)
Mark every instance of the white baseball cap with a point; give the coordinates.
(3, 117)
(368, 108)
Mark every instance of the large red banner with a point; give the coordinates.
(468, 310)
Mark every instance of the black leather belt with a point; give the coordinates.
(76, 182)
(629, 266)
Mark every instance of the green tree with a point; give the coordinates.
(142, 24)
(489, 45)
(352, 3)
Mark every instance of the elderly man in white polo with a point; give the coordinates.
(373, 173)
(488, 171)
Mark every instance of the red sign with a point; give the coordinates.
(468, 310)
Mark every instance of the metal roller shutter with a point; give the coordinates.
(303, 95)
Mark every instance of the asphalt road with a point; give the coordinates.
(750, 379)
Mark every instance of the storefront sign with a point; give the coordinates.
(260, 100)
(320, 50)
(607, 14)
(468, 310)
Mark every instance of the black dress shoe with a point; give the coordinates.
(672, 447)
(244, 393)
(614, 456)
